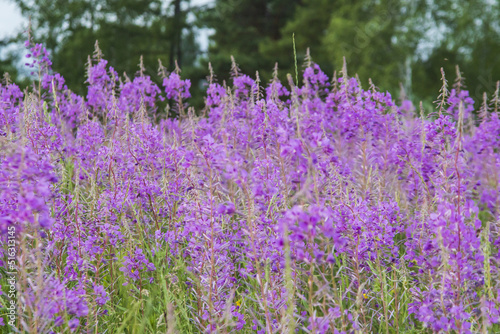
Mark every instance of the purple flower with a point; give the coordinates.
(175, 87)
(134, 265)
(101, 296)
(73, 324)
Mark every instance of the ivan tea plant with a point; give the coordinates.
(313, 207)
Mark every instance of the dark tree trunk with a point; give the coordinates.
(175, 48)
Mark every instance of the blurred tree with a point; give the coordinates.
(391, 41)
(308, 24)
(378, 38)
(125, 29)
(469, 34)
(408, 41)
(247, 30)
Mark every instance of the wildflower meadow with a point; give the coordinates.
(315, 205)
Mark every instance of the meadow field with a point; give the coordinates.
(316, 205)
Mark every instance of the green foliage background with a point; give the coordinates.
(394, 42)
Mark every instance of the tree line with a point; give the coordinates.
(396, 43)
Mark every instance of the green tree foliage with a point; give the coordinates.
(471, 39)
(393, 42)
(125, 29)
(308, 24)
(249, 31)
(364, 39)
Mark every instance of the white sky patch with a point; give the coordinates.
(11, 21)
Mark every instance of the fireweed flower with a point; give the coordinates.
(26, 181)
(101, 81)
(174, 86)
(277, 195)
(141, 92)
(101, 296)
(215, 94)
(134, 265)
(11, 97)
(73, 324)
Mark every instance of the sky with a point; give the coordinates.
(11, 20)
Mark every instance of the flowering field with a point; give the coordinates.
(321, 207)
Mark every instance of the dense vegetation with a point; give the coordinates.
(318, 207)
